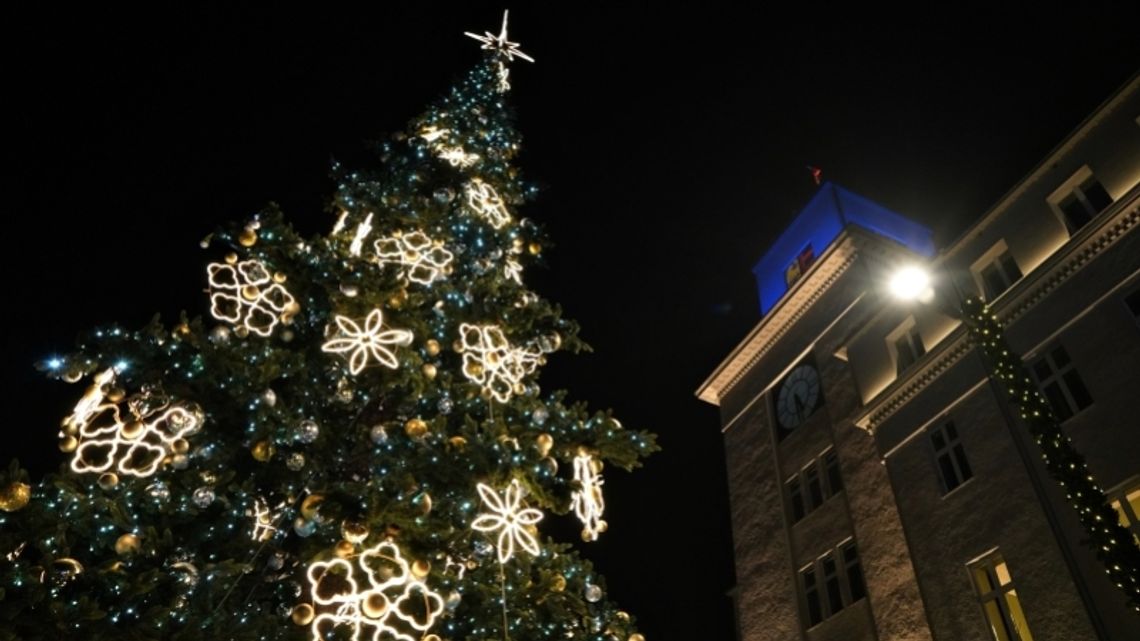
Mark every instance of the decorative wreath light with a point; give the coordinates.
(425, 261)
(487, 203)
(133, 447)
(240, 295)
(379, 608)
(588, 502)
(492, 362)
(510, 518)
(368, 343)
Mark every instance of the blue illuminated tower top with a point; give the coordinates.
(821, 221)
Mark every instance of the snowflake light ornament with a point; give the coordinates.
(507, 517)
(425, 260)
(263, 520)
(588, 502)
(244, 294)
(134, 447)
(492, 362)
(487, 203)
(500, 43)
(456, 157)
(368, 343)
(392, 603)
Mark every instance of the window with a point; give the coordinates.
(996, 271)
(809, 489)
(1082, 203)
(999, 599)
(905, 344)
(840, 586)
(1126, 501)
(1060, 383)
(1132, 302)
(796, 497)
(831, 464)
(815, 490)
(953, 468)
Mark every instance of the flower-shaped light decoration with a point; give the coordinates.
(587, 501)
(239, 295)
(134, 447)
(393, 604)
(425, 261)
(486, 202)
(510, 518)
(456, 156)
(368, 343)
(492, 362)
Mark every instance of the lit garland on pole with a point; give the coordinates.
(1111, 542)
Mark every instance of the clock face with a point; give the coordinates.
(799, 396)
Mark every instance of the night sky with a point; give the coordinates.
(671, 147)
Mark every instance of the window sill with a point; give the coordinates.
(957, 489)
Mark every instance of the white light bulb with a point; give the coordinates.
(910, 283)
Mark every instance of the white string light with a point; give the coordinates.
(500, 42)
(362, 231)
(588, 502)
(504, 78)
(492, 362)
(486, 202)
(510, 518)
(368, 343)
(263, 521)
(512, 269)
(460, 567)
(244, 299)
(432, 133)
(378, 611)
(340, 220)
(426, 260)
(456, 157)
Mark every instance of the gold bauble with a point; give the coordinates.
(292, 309)
(623, 615)
(310, 506)
(429, 371)
(473, 369)
(588, 536)
(493, 358)
(457, 442)
(534, 248)
(397, 300)
(127, 544)
(303, 614)
(15, 496)
(431, 637)
(353, 531)
(250, 292)
(636, 636)
(596, 465)
(68, 566)
(279, 277)
(116, 394)
(602, 525)
(241, 331)
(262, 451)
(416, 428)
(132, 430)
(457, 345)
(247, 237)
(108, 480)
(420, 568)
(180, 446)
(558, 584)
(68, 444)
(344, 549)
(544, 442)
(431, 347)
(231, 258)
(375, 605)
(423, 501)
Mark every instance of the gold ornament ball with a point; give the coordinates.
(432, 347)
(279, 277)
(310, 506)
(353, 531)
(344, 549)
(457, 442)
(127, 544)
(423, 501)
(636, 636)
(588, 536)
(262, 451)
(432, 637)
(15, 496)
(420, 568)
(429, 371)
(241, 331)
(180, 446)
(133, 430)
(303, 614)
(457, 345)
(68, 444)
(247, 237)
(375, 605)
(544, 442)
(416, 428)
(108, 480)
(558, 584)
(117, 394)
(534, 248)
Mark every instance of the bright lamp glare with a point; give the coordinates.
(909, 283)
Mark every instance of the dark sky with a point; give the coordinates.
(671, 146)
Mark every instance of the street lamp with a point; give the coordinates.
(1109, 540)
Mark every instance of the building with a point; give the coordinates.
(881, 487)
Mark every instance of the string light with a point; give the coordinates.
(587, 501)
(362, 231)
(244, 300)
(486, 202)
(456, 157)
(492, 362)
(263, 521)
(425, 260)
(367, 343)
(510, 517)
(378, 610)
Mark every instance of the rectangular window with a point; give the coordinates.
(796, 497)
(1060, 383)
(815, 490)
(999, 275)
(811, 595)
(1126, 501)
(1132, 302)
(1000, 603)
(909, 349)
(831, 464)
(1082, 203)
(950, 457)
(854, 571)
(831, 583)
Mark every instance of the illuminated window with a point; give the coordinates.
(1060, 383)
(833, 582)
(1126, 501)
(796, 499)
(1000, 603)
(949, 457)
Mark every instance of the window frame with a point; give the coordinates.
(1120, 499)
(799, 485)
(999, 259)
(954, 451)
(825, 587)
(1059, 376)
(1076, 188)
(998, 593)
(906, 331)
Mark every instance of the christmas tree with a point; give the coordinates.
(351, 443)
